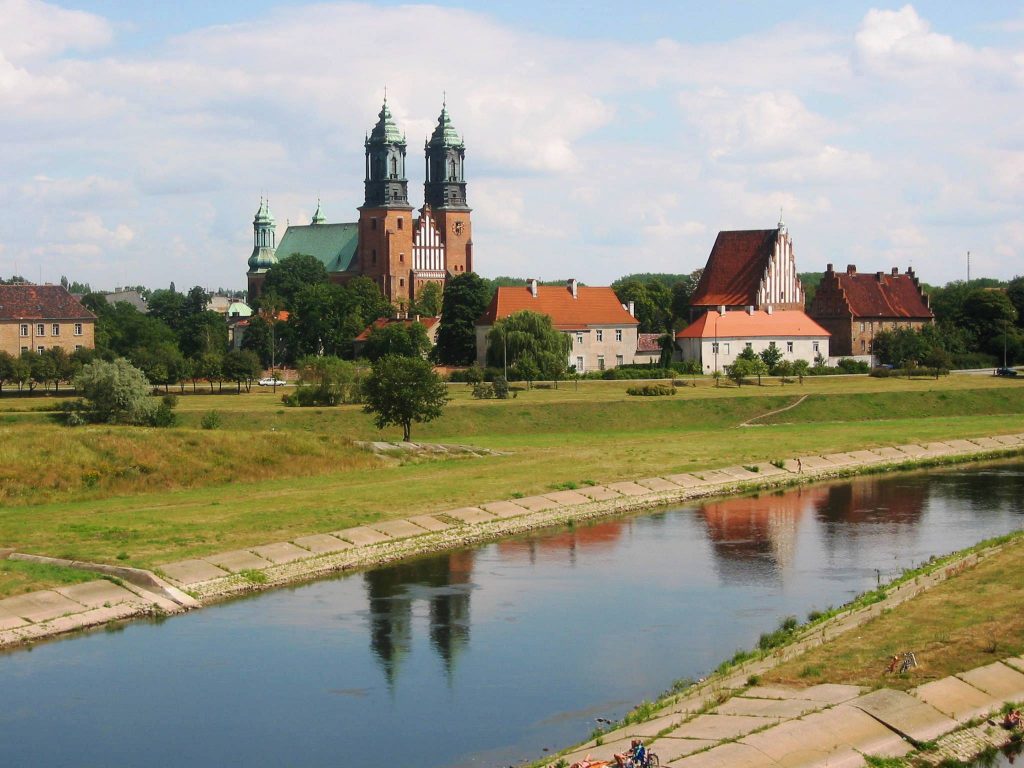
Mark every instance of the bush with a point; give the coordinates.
(483, 391)
(163, 415)
(849, 365)
(652, 390)
(974, 360)
(210, 421)
(118, 393)
(500, 385)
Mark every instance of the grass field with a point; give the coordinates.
(142, 496)
(967, 621)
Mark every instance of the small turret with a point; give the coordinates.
(445, 185)
(318, 217)
(264, 240)
(386, 185)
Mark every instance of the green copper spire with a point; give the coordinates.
(264, 240)
(444, 134)
(385, 131)
(318, 217)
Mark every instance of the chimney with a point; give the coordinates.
(750, 309)
(632, 309)
(768, 309)
(573, 285)
(851, 269)
(828, 268)
(721, 309)
(532, 283)
(879, 276)
(895, 271)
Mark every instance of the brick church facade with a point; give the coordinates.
(399, 251)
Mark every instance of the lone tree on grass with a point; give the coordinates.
(118, 392)
(401, 390)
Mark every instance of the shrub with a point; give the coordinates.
(118, 393)
(652, 390)
(849, 365)
(483, 391)
(500, 385)
(163, 415)
(210, 421)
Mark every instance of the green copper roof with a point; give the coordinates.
(444, 134)
(263, 215)
(318, 217)
(262, 259)
(333, 245)
(385, 131)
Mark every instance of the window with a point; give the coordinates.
(373, 255)
(600, 362)
(618, 360)
(618, 334)
(373, 223)
(77, 347)
(579, 364)
(814, 346)
(579, 338)
(750, 345)
(863, 345)
(789, 346)
(725, 348)
(599, 335)
(401, 223)
(24, 349)
(40, 329)
(862, 327)
(24, 329)
(55, 329)
(401, 256)
(714, 347)
(401, 282)
(40, 349)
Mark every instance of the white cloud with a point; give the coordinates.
(90, 228)
(33, 30)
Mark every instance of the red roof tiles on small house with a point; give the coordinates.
(570, 307)
(380, 322)
(750, 325)
(735, 267)
(648, 342)
(40, 302)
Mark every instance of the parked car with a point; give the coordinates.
(270, 382)
(1005, 372)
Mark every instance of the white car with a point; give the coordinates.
(273, 382)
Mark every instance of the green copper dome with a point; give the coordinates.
(263, 256)
(445, 134)
(318, 217)
(385, 131)
(263, 215)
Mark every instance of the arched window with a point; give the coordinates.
(453, 175)
(394, 167)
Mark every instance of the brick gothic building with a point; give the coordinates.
(854, 307)
(398, 251)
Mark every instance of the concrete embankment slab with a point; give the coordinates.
(912, 450)
(605, 751)
(600, 493)
(686, 480)
(849, 726)
(568, 498)
(955, 698)
(239, 560)
(534, 503)
(669, 749)
(504, 509)
(732, 755)
(187, 572)
(40, 606)
(1007, 440)
(825, 693)
(890, 454)
(658, 484)
(740, 473)
(768, 708)
(322, 543)
(715, 477)
(719, 727)
(469, 515)
(398, 529)
(281, 552)
(652, 727)
(430, 523)
(361, 535)
(987, 443)
(767, 469)
(99, 593)
(865, 457)
(628, 488)
(997, 680)
(905, 714)
(1017, 662)
(10, 621)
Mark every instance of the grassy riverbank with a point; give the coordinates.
(143, 497)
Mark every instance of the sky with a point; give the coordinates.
(138, 137)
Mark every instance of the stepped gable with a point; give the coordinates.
(590, 306)
(883, 294)
(738, 262)
(40, 302)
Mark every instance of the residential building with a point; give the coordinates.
(39, 317)
(750, 268)
(716, 338)
(127, 296)
(400, 252)
(602, 330)
(430, 324)
(853, 307)
(648, 348)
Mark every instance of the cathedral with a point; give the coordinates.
(399, 252)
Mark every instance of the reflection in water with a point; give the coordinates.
(567, 544)
(444, 582)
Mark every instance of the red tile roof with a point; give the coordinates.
(380, 322)
(740, 325)
(648, 342)
(592, 306)
(40, 302)
(738, 261)
(883, 294)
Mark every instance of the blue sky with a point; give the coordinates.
(601, 139)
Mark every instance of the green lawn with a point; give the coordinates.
(143, 496)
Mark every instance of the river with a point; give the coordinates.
(485, 656)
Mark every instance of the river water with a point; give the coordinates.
(486, 656)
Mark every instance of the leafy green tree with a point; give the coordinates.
(168, 306)
(801, 368)
(526, 369)
(116, 392)
(465, 299)
(210, 366)
(989, 313)
(525, 335)
(740, 369)
(772, 356)
(938, 360)
(291, 275)
(429, 300)
(405, 339)
(652, 303)
(899, 346)
(196, 301)
(329, 381)
(322, 321)
(6, 368)
(204, 332)
(1015, 292)
(403, 390)
(362, 297)
(241, 367)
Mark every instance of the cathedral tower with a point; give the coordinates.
(263, 250)
(385, 218)
(444, 191)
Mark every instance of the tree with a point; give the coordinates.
(938, 360)
(465, 298)
(196, 301)
(899, 347)
(987, 313)
(117, 392)
(652, 303)
(241, 367)
(740, 369)
(403, 390)
(404, 339)
(772, 356)
(800, 369)
(290, 276)
(429, 301)
(329, 381)
(168, 306)
(204, 332)
(6, 368)
(210, 367)
(1015, 292)
(527, 337)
